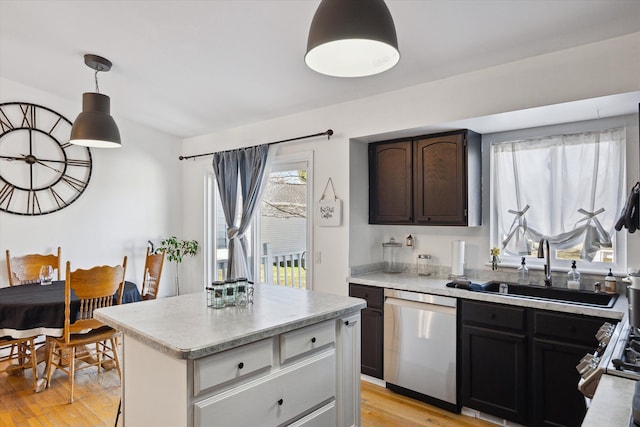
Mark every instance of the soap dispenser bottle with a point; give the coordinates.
(573, 277)
(523, 273)
(610, 283)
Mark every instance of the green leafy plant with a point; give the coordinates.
(175, 250)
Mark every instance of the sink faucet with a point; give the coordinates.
(547, 266)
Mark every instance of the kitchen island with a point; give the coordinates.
(292, 357)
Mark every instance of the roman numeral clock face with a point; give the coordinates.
(40, 171)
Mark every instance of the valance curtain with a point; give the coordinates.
(567, 188)
(246, 169)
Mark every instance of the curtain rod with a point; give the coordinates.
(328, 132)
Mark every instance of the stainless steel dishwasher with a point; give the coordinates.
(420, 347)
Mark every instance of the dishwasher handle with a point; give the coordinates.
(421, 298)
(433, 308)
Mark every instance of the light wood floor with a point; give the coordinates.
(381, 407)
(96, 402)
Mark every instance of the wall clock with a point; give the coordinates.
(40, 171)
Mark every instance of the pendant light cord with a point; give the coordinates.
(96, 77)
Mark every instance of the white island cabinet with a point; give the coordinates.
(291, 358)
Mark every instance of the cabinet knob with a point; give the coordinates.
(346, 323)
(280, 402)
(313, 340)
(240, 365)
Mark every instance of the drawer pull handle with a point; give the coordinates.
(280, 402)
(313, 340)
(240, 365)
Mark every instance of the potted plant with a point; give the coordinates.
(175, 250)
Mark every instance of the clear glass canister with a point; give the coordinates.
(216, 294)
(230, 292)
(390, 251)
(241, 292)
(423, 265)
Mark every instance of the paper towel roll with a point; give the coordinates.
(457, 258)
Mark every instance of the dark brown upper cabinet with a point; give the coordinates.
(426, 180)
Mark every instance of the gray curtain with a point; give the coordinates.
(251, 166)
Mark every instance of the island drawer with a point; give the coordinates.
(323, 417)
(305, 340)
(274, 399)
(232, 365)
(493, 315)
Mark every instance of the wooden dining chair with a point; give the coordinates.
(26, 269)
(21, 350)
(152, 272)
(86, 339)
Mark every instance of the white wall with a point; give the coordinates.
(133, 196)
(595, 70)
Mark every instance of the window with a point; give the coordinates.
(567, 188)
(282, 227)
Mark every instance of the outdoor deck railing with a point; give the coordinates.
(278, 268)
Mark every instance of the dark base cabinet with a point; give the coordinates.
(559, 341)
(497, 387)
(557, 402)
(372, 330)
(520, 363)
(494, 345)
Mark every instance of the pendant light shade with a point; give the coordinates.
(352, 38)
(94, 126)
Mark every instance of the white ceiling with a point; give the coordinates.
(193, 67)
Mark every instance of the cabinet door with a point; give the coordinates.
(556, 399)
(390, 183)
(494, 372)
(440, 196)
(372, 342)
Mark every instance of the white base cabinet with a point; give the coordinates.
(305, 377)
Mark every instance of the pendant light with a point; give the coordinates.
(352, 38)
(94, 126)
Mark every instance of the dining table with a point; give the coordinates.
(32, 310)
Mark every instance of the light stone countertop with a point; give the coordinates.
(611, 403)
(185, 328)
(415, 283)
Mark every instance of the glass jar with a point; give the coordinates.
(250, 292)
(241, 292)
(423, 265)
(390, 262)
(215, 294)
(230, 289)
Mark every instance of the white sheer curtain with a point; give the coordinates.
(567, 188)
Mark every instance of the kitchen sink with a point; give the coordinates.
(554, 294)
